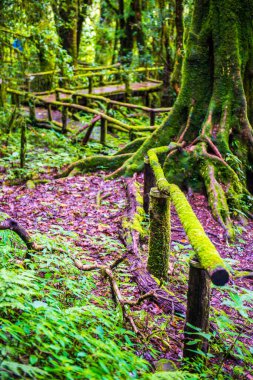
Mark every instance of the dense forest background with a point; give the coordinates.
(126, 169)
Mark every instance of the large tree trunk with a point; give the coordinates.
(211, 113)
(210, 118)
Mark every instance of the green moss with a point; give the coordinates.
(206, 252)
(131, 147)
(96, 162)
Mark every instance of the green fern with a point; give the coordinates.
(16, 287)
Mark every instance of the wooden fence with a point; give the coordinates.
(68, 108)
(207, 266)
(90, 77)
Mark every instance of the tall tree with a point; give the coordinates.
(69, 16)
(130, 28)
(176, 75)
(211, 118)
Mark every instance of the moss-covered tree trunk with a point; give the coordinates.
(213, 111)
(176, 75)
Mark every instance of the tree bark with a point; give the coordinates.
(176, 75)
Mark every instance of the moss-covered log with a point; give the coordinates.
(207, 254)
(94, 163)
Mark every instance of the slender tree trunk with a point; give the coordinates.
(69, 17)
(130, 31)
(176, 75)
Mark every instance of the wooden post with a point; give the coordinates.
(23, 143)
(49, 112)
(64, 119)
(57, 95)
(159, 234)
(147, 99)
(32, 110)
(16, 100)
(28, 84)
(75, 98)
(2, 93)
(103, 131)
(127, 87)
(152, 118)
(197, 315)
(149, 182)
(88, 134)
(101, 80)
(13, 99)
(90, 79)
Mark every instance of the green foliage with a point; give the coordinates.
(52, 326)
(176, 375)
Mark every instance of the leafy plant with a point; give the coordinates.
(53, 327)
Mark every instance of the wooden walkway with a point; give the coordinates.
(136, 89)
(121, 88)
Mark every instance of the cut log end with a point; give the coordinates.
(219, 276)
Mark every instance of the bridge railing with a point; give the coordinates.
(41, 81)
(85, 99)
(71, 103)
(89, 78)
(205, 267)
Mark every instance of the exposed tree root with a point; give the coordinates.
(8, 223)
(13, 225)
(132, 146)
(217, 199)
(106, 271)
(94, 163)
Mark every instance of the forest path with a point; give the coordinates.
(92, 209)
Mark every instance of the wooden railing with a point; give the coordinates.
(65, 106)
(207, 266)
(40, 82)
(86, 98)
(90, 77)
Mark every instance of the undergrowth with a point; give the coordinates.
(48, 149)
(53, 326)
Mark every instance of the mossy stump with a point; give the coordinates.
(159, 234)
(197, 315)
